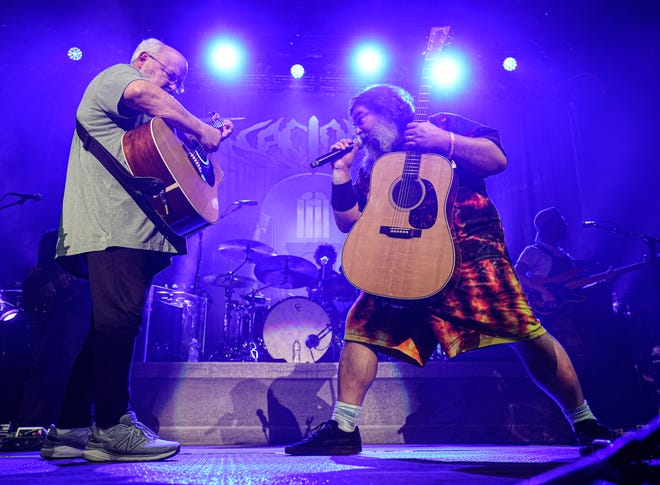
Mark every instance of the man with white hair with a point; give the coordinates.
(105, 236)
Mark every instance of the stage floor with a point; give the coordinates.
(391, 464)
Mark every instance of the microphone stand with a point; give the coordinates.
(227, 211)
(229, 305)
(21, 200)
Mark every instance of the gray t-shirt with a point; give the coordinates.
(97, 212)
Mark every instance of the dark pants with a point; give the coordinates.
(98, 388)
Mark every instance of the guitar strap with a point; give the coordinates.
(141, 189)
(559, 265)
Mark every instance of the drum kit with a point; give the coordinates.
(296, 328)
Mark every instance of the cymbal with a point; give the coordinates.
(226, 280)
(286, 271)
(248, 249)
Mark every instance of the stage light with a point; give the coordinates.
(7, 311)
(510, 64)
(297, 71)
(226, 57)
(74, 53)
(369, 60)
(447, 72)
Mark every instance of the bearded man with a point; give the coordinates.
(485, 307)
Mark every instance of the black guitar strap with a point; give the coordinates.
(141, 189)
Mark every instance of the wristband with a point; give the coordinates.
(452, 145)
(342, 197)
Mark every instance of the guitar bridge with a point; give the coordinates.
(400, 232)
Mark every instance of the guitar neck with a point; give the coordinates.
(579, 283)
(437, 39)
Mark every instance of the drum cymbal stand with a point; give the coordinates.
(233, 308)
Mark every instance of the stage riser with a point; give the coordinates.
(244, 403)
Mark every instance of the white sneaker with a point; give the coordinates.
(64, 443)
(129, 440)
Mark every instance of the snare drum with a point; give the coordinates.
(297, 323)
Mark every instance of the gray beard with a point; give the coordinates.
(382, 139)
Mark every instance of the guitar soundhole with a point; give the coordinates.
(407, 194)
(200, 162)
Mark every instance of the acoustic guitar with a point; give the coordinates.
(401, 246)
(190, 175)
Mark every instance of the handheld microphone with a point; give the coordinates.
(336, 154)
(246, 202)
(35, 197)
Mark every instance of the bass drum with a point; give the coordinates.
(297, 326)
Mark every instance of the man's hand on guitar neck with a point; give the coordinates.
(225, 126)
(210, 137)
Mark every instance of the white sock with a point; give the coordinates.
(346, 415)
(579, 413)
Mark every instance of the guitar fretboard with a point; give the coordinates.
(437, 39)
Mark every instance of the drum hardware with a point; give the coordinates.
(255, 298)
(286, 272)
(294, 321)
(248, 250)
(313, 340)
(241, 346)
(228, 279)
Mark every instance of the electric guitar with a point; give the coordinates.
(401, 246)
(565, 287)
(191, 177)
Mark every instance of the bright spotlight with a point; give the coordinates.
(510, 64)
(226, 57)
(74, 53)
(370, 59)
(297, 71)
(446, 72)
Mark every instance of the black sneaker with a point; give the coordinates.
(327, 439)
(593, 435)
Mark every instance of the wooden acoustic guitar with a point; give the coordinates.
(401, 246)
(190, 175)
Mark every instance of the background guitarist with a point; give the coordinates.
(486, 307)
(545, 259)
(105, 235)
(538, 264)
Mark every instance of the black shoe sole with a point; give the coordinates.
(595, 445)
(336, 450)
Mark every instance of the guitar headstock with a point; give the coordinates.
(437, 40)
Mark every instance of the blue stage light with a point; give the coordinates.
(74, 53)
(226, 57)
(297, 71)
(370, 60)
(510, 64)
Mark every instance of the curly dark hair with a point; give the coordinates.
(326, 250)
(390, 101)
